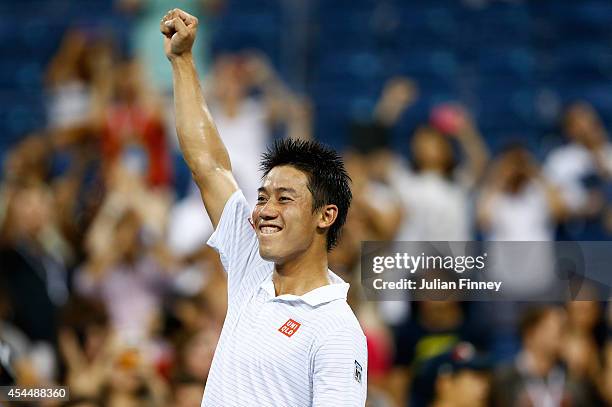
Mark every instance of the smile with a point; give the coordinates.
(269, 229)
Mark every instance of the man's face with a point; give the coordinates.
(472, 386)
(283, 218)
(545, 337)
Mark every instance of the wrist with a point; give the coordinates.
(182, 59)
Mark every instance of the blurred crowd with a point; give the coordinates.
(107, 285)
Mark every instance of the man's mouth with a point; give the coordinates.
(269, 229)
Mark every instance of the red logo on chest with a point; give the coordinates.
(289, 328)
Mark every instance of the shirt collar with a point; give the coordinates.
(336, 290)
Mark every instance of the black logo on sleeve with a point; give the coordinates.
(358, 372)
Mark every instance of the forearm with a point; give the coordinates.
(555, 201)
(475, 150)
(199, 139)
(485, 207)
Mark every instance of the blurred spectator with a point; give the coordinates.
(199, 282)
(187, 391)
(376, 209)
(79, 85)
(189, 226)
(583, 171)
(370, 135)
(245, 122)
(14, 345)
(583, 338)
(33, 257)
(535, 377)
(73, 79)
(29, 161)
(84, 344)
(374, 214)
(132, 127)
(458, 378)
(436, 192)
(435, 328)
(133, 382)
(131, 276)
(196, 352)
(517, 203)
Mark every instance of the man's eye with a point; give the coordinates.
(261, 199)
(284, 198)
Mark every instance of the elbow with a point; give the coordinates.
(203, 170)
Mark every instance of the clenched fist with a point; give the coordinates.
(179, 30)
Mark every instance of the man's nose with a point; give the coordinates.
(269, 210)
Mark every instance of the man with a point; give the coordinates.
(536, 376)
(456, 378)
(289, 337)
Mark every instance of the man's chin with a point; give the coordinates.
(268, 254)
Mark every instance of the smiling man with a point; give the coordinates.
(289, 337)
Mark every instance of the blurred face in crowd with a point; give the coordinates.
(128, 81)
(583, 315)
(516, 168)
(583, 126)
(466, 388)
(440, 314)
(198, 354)
(578, 352)
(431, 150)
(127, 235)
(31, 211)
(95, 339)
(229, 78)
(283, 217)
(546, 335)
(188, 395)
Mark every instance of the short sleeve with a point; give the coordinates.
(340, 370)
(236, 242)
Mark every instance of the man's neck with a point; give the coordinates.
(301, 275)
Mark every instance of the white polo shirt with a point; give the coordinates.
(285, 351)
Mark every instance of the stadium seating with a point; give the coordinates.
(497, 58)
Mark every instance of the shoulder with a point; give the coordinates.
(336, 320)
(560, 155)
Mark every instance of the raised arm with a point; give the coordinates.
(199, 139)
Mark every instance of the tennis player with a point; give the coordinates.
(289, 338)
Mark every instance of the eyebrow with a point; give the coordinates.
(280, 189)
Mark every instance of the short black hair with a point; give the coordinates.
(328, 181)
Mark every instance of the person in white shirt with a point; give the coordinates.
(589, 152)
(436, 194)
(289, 337)
(519, 204)
(230, 84)
(582, 170)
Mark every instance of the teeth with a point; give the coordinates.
(266, 230)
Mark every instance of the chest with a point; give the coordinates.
(274, 336)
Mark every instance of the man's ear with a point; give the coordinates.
(328, 215)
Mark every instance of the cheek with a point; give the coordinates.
(304, 221)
